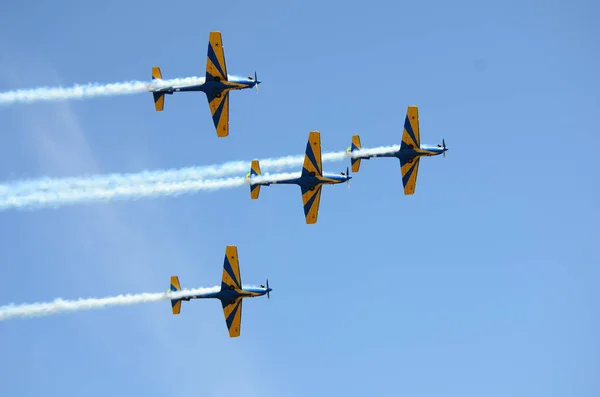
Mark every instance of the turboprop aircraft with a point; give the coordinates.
(409, 153)
(230, 294)
(310, 180)
(216, 85)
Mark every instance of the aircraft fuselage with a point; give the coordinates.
(227, 295)
(310, 181)
(211, 87)
(411, 153)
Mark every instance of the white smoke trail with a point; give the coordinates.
(65, 306)
(36, 186)
(59, 198)
(148, 177)
(89, 90)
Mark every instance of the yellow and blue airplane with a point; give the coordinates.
(310, 181)
(216, 86)
(230, 295)
(409, 154)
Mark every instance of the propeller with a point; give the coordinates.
(256, 81)
(444, 146)
(268, 294)
(346, 174)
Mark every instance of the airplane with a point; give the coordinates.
(409, 154)
(230, 294)
(216, 86)
(310, 180)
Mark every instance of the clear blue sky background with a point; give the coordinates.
(485, 282)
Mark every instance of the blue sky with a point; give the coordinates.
(482, 283)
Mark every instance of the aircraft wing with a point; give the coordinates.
(233, 316)
(410, 137)
(312, 158)
(231, 269)
(219, 108)
(311, 200)
(410, 169)
(216, 70)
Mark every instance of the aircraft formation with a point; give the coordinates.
(217, 86)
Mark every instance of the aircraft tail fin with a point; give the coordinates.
(355, 162)
(159, 97)
(254, 171)
(175, 303)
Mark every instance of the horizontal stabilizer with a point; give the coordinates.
(159, 98)
(156, 74)
(175, 303)
(254, 171)
(355, 162)
(159, 101)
